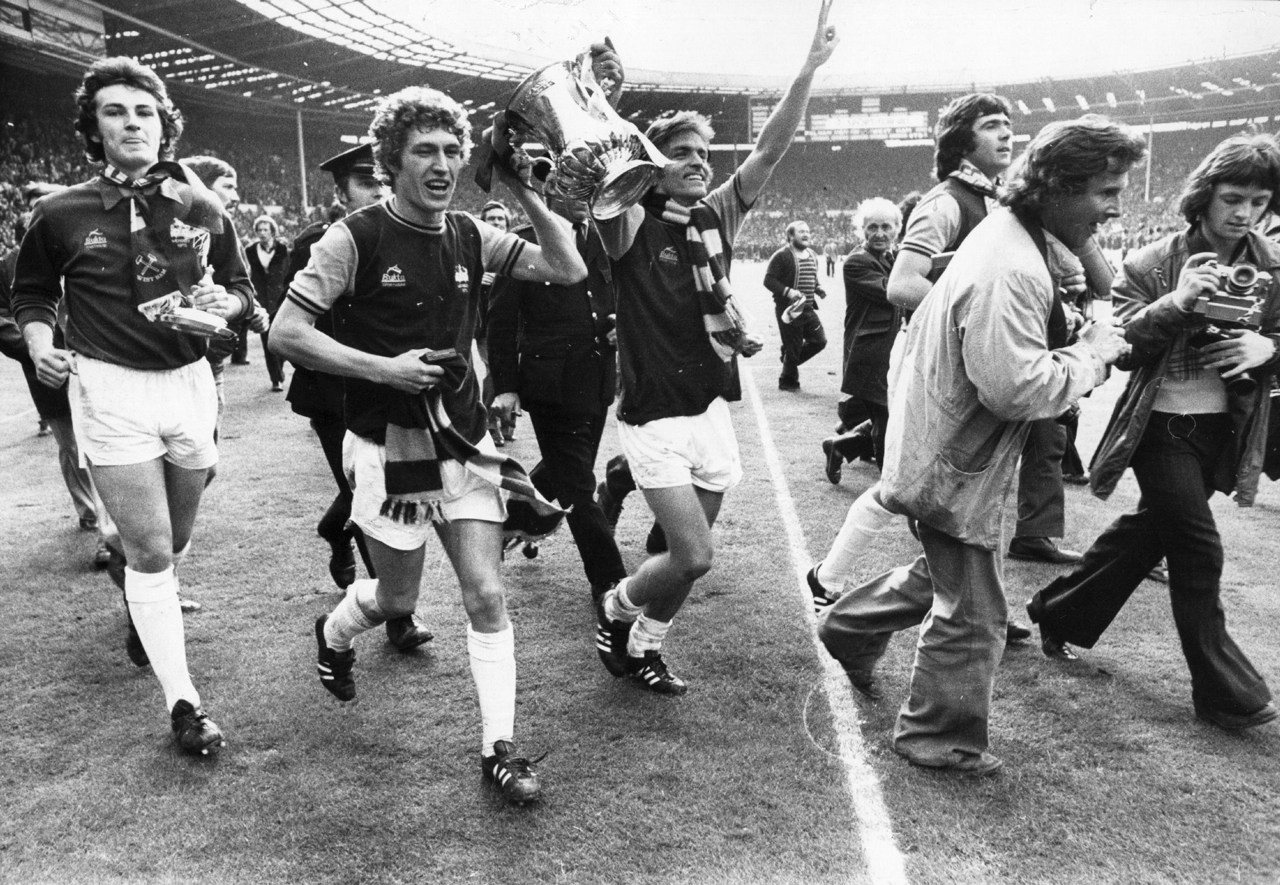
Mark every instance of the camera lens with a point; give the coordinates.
(1242, 279)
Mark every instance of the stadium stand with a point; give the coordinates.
(815, 183)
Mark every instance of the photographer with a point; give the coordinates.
(1190, 422)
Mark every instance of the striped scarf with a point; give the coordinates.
(420, 436)
(720, 315)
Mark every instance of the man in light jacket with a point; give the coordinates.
(986, 355)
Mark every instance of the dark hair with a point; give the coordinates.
(954, 130)
(335, 211)
(208, 169)
(663, 131)
(122, 71)
(1244, 160)
(416, 107)
(1065, 155)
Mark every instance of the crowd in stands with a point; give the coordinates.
(814, 183)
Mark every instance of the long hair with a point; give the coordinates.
(954, 130)
(1065, 155)
(416, 107)
(1243, 160)
(123, 71)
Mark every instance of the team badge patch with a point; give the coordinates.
(461, 278)
(669, 256)
(393, 276)
(148, 268)
(95, 239)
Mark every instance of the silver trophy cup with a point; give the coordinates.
(566, 110)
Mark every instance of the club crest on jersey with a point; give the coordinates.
(148, 267)
(393, 276)
(461, 278)
(669, 256)
(95, 239)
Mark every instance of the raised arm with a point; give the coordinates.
(555, 259)
(780, 129)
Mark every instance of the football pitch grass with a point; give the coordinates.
(767, 771)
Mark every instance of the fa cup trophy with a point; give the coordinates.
(597, 160)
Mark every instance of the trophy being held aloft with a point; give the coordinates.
(597, 161)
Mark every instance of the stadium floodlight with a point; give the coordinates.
(1111, 99)
(1048, 103)
(1084, 104)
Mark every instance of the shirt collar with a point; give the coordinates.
(113, 193)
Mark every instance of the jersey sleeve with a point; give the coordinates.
(330, 273)
(933, 226)
(499, 250)
(38, 275)
(727, 202)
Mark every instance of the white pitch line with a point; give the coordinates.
(884, 861)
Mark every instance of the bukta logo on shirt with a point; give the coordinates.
(393, 276)
(461, 278)
(148, 267)
(95, 239)
(669, 256)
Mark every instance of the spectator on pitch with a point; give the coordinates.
(830, 251)
(986, 355)
(142, 394)
(268, 258)
(792, 278)
(678, 331)
(974, 148)
(871, 324)
(1193, 420)
(317, 396)
(403, 280)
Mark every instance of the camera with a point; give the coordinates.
(1242, 291)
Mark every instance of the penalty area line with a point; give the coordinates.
(884, 860)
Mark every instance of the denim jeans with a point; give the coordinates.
(957, 590)
(1174, 465)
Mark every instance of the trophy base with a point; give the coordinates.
(196, 322)
(623, 187)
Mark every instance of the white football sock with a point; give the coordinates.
(646, 635)
(359, 611)
(493, 667)
(618, 605)
(867, 519)
(153, 605)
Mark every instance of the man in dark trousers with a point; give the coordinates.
(792, 279)
(318, 395)
(551, 353)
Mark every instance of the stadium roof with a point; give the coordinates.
(335, 57)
